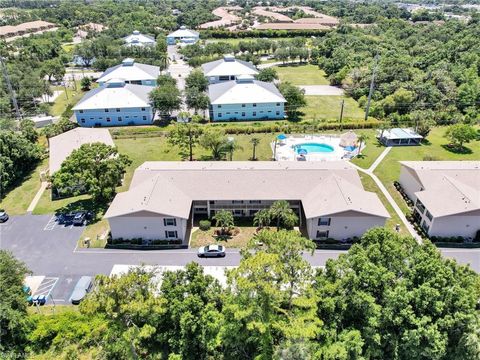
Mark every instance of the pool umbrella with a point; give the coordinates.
(302, 151)
(348, 139)
(281, 137)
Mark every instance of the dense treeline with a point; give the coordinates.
(427, 71)
(19, 154)
(387, 298)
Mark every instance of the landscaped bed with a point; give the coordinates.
(239, 238)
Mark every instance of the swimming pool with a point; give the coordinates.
(314, 148)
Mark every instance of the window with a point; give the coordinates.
(322, 234)
(118, 110)
(171, 234)
(243, 105)
(143, 109)
(324, 221)
(144, 118)
(253, 212)
(429, 215)
(420, 206)
(254, 113)
(106, 110)
(278, 104)
(108, 119)
(119, 118)
(238, 212)
(81, 111)
(170, 222)
(224, 78)
(425, 226)
(277, 113)
(219, 106)
(243, 114)
(254, 105)
(228, 112)
(92, 118)
(255, 201)
(83, 121)
(237, 201)
(219, 114)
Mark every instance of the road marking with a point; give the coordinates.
(46, 286)
(51, 224)
(60, 300)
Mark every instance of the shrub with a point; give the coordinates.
(205, 225)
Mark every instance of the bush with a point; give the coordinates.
(205, 225)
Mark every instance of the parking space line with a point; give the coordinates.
(51, 223)
(46, 286)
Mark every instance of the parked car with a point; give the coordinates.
(211, 251)
(84, 286)
(3, 216)
(80, 218)
(37, 300)
(65, 219)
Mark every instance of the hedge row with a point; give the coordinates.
(225, 34)
(140, 241)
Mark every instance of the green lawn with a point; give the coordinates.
(328, 108)
(371, 151)
(61, 102)
(388, 170)
(17, 200)
(302, 74)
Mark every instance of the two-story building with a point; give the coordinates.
(183, 36)
(228, 68)
(138, 39)
(115, 104)
(132, 72)
(245, 99)
(165, 198)
(446, 196)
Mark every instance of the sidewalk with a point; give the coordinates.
(385, 192)
(37, 197)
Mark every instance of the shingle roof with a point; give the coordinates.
(133, 72)
(136, 38)
(233, 67)
(450, 187)
(126, 96)
(183, 32)
(61, 146)
(239, 92)
(169, 188)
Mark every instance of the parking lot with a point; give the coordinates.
(44, 244)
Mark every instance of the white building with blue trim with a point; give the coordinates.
(183, 36)
(245, 99)
(116, 103)
(132, 72)
(228, 68)
(138, 39)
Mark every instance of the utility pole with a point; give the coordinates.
(341, 114)
(372, 86)
(18, 115)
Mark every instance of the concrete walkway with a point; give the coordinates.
(321, 90)
(37, 197)
(385, 192)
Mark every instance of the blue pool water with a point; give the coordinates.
(314, 148)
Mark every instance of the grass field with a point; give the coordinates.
(388, 170)
(17, 200)
(327, 108)
(302, 74)
(61, 102)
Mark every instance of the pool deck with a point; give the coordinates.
(285, 148)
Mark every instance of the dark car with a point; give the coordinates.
(84, 286)
(65, 219)
(37, 300)
(3, 216)
(80, 218)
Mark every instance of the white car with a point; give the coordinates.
(211, 251)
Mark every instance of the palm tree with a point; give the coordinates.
(281, 211)
(262, 218)
(230, 147)
(362, 138)
(254, 141)
(224, 220)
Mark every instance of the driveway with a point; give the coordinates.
(321, 90)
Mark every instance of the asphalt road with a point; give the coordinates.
(50, 250)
